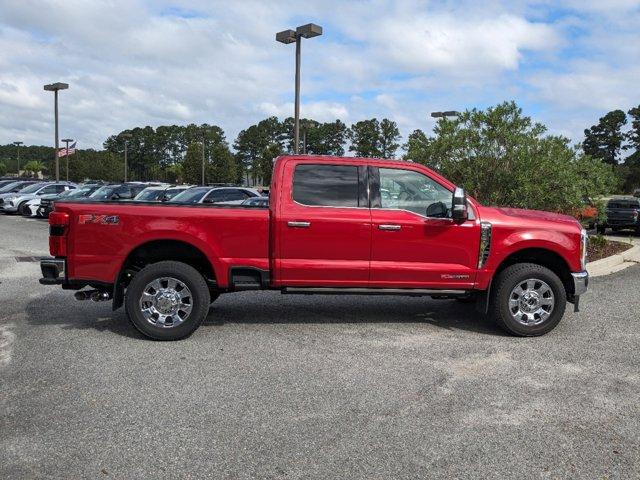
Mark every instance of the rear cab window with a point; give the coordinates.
(321, 185)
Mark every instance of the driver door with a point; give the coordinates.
(413, 250)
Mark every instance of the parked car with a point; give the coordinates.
(224, 195)
(622, 213)
(262, 202)
(327, 231)
(118, 191)
(15, 186)
(636, 192)
(47, 201)
(17, 202)
(160, 194)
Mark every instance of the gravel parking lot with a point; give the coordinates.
(276, 386)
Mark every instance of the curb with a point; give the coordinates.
(614, 263)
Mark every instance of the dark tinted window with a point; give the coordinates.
(216, 196)
(235, 195)
(326, 185)
(623, 203)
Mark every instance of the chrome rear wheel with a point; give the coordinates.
(166, 302)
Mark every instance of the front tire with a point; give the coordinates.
(527, 300)
(167, 300)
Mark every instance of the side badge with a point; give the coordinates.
(92, 219)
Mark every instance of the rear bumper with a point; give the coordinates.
(580, 283)
(53, 271)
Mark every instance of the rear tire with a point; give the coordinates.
(527, 300)
(167, 300)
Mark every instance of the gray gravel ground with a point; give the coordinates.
(276, 386)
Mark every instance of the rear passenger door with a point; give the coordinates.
(324, 226)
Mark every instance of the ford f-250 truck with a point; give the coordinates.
(333, 226)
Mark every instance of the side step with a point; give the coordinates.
(413, 292)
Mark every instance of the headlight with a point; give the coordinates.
(584, 242)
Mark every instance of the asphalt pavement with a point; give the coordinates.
(323, 387)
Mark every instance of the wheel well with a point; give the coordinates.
(544, 257)
(161, 250)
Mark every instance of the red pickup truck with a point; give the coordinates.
(333, 226)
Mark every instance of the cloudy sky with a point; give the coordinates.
(134, 63)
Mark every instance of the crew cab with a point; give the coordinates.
(328, 229)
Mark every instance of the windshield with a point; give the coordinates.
(172, 192)
(149, 194)
(193, 195)
(103, 193)
(79, 192)
(9, 187)
(32, 188)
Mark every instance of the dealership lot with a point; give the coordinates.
(276, 386)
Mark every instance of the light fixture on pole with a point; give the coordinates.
(17, 144)
(55, 88)
(448, 113)
(289, 36)
(67, 141)
(126, 137)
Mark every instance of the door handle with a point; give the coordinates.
(389, 227)
(299, 224)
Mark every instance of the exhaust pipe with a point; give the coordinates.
(95, 295)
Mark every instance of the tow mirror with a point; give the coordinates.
(459, 205)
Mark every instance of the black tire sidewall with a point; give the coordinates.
(181, 271)
(508, 279)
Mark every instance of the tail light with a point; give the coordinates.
(58, 227)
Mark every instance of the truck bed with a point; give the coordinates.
(111, 230)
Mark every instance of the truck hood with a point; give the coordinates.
(536, 215)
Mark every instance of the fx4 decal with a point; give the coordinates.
(98, 219)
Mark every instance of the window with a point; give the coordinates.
(215, 196)
(413, 191)
(51, 189)
(326, 185)
(232, 195)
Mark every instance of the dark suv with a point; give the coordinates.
(622, 213)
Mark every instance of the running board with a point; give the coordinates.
(416, 292)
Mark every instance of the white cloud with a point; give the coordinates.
(133, 63)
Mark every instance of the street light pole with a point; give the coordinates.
(55, 88)
(203, 162)
(17, 144)
(126, 137)
(66, 151)
(289, 36)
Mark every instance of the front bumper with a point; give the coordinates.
(9, 207)
(53, 271)
(580, 283)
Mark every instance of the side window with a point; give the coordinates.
(49, 189)
(413, 191)
(235, 195)
(215, 196)
(326, 185)
(60, 188)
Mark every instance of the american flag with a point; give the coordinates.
(63, 152)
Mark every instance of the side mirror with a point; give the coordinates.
(459, 205)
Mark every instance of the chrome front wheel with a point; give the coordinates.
(531, 302)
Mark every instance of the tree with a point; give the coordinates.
(604, 140)
(389, 138)
(251, 143)
(634, 134)
(503, 158)
(33, 167)
(3, 169)
(365, 138)
(371, 138)
(192, 164)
